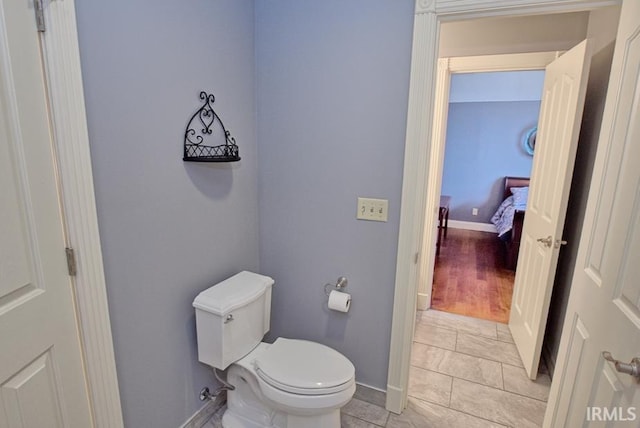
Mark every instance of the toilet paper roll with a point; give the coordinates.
(339, 301)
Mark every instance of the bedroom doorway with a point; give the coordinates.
(491, 118)
(421, 162)
(562, 102)
(449, 69)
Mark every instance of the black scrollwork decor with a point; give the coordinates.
(205, 128)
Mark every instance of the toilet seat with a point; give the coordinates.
(305, 368)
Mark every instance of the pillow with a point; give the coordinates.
(520, 195)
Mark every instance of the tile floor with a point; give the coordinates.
(465, 373)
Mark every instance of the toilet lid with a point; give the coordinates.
(304, 367)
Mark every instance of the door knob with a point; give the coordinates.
(632, 368)
(547, 242)
(559, 242)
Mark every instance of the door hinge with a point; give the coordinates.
(71, 261)
(416, 258)
(39, 9)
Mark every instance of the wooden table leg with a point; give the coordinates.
(446, 222)
(443, 220)
(440, 225)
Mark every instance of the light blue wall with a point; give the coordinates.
(489, 116)
(483, 145)
(329, 81)
(169, 229)
(333, 80)
(496, 86)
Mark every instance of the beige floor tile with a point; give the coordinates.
(488, 348)
(420, 414)
(430, 334)
(347, 421)
(504, 334)
(456, 364)
(496, 405)
(370, 395)
(516, 380)
(430, 386)
(366, 411)
(460, 323)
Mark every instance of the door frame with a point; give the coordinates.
(445, 68)
(429, 14)
(61, 59)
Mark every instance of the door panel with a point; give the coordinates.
(42, 380)
(37, 379)
(605, 291)
(15, 263)
(558, 130)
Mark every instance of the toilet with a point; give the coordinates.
(287, 384)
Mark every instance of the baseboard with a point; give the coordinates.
(470, 225)
(202, 416)
(371, 387)
(424, 301)
(370, 394)
(395, 399)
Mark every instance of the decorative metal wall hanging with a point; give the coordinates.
(200, 136)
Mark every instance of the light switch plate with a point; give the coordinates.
(373, 209)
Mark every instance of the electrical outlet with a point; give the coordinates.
(373, 209)
(474, 211)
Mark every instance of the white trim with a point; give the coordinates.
(428, 16)
(425, 44)
(466, 9)
(472, 225)
(62, 62)
(432, 196)
(504, 62)
(371, 387)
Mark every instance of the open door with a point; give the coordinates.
(603, 312)
(561, 108)
(42, 377)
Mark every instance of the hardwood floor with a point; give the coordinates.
(469, 277)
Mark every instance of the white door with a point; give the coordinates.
(561, 108)
(603, 312)
(42, 381)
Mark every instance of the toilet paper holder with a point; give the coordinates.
(339, 285)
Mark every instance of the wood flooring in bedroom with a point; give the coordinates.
(470, 278)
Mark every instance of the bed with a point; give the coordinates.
(509, 218)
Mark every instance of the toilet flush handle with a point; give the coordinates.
(228, 319)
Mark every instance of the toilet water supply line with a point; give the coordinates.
(205, 394)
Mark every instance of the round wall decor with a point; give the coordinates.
(529, 142)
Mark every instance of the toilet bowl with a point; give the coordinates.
(286, 392)
(287, 384)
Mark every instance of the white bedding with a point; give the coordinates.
(503, 218)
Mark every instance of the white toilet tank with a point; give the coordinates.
(232, 317)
